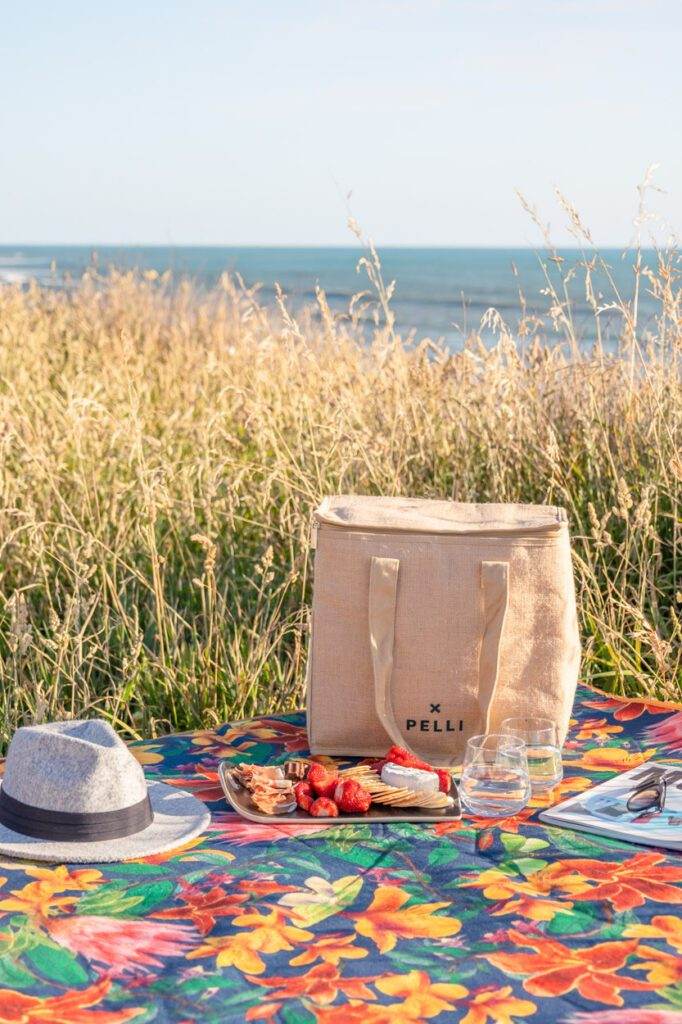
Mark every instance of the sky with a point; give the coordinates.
(249, 123)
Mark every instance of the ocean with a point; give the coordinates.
(440, 293)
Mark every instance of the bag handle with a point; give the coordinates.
(383, 597)
(495, 587)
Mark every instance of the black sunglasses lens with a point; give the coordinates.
(644, 799)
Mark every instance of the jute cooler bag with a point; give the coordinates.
(433, 621)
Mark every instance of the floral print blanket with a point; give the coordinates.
(475, 921)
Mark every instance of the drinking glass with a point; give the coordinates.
(495, 779)
(542, 749)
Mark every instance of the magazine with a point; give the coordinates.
(603, 810)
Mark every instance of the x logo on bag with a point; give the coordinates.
(435, 709)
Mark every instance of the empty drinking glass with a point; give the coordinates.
(495, 779)
(542, 749)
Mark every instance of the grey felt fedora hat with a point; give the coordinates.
(73, 793)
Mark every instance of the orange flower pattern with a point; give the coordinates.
(630, 883)
(68, 1008)
(553, 969)
(497, 1006)
(387, 919)
(609, 759)
(662, 926)
(419, 997)
(597, 729)
(476, 922)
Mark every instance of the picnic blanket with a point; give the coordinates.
(476, 921)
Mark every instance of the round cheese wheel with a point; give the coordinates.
(409, 778)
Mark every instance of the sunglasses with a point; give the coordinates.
(650, 796)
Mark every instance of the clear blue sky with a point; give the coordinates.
(245, 123)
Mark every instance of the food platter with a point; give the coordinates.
(239, 798)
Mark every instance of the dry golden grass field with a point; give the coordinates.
(162, 449)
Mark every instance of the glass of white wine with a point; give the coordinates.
(542, 749)
(495, 781)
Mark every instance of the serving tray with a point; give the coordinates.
(240, 799)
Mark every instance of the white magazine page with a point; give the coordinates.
(603, 809)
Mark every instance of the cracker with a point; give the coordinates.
(271, 801)
(356, 771)
(366, 779)
(391, 796)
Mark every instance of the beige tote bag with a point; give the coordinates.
(433, 621)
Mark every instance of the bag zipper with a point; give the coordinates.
(548, 528)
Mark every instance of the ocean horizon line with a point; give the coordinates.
(339, 246)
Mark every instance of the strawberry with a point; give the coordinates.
(444, 780)
(323, 780)
(304, 795)
(351, 797)
(398, 755)
(323, 807)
